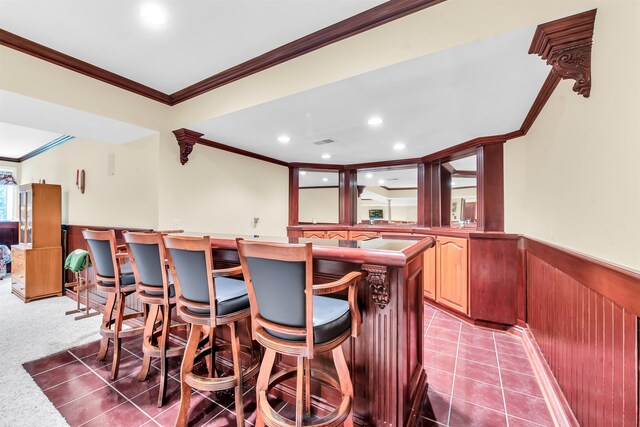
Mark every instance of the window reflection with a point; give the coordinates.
(318, 196)
(388, 195)
(463, 191)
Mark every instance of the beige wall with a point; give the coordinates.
(218, 191)
(321, 204)
(574, 180)
(129, 198)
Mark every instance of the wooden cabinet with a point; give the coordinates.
(446, 273)
(363, 235)
(324, 234)
(37, 258)
(452, 272)
(429, 273)
(337, 235)
(314, 234)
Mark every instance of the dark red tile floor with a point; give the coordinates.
(476, 378)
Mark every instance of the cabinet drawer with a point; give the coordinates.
(17, 267)
(313, 234)
(17, 285)
(337, 235)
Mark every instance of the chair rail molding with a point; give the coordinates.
(566, 45)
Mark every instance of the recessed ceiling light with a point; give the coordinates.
(326, 156)
(303, 172)
(325, 179)
(369, 175)
(381, 181)
(284, 139)
(375, 121)
(399, 146)
(153, 14)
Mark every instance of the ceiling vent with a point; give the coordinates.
(324, 141)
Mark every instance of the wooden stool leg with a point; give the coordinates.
(300, 392)
(211, 357)
(117, 342)
(152, 315)
(307, 386)
(262, 384)
(186, 367)
(344, 377)
(164, 344)
(237, 373)
(106, 324)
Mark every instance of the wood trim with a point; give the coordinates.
(556, 401)
(29, 47)
(463, 173)
(294, 175)
(566, 45)
(490, 187)
(620, 285)
(364, 21)
(219, 146)
(543, 96)
(424, 196)
(314, 187)
(48, 146)
(349, 27)
(186, 140)
(347, 203)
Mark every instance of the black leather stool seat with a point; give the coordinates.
(231, 297)
(331, 317)
(126, 276)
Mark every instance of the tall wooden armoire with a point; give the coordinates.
(36, 261)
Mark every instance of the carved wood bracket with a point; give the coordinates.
(378, 280)
(566, 46)
(186, 140)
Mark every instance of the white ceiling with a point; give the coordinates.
(468, 163)
(16, 141)
(430, 103)
(28, 112)
(199, 39)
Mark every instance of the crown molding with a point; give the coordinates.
(566, 45)
(364, 21)
(48, 146)
(45, 53)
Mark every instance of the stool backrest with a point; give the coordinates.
(279, 280)
(191, 264)
(147, 254)
(102, 251)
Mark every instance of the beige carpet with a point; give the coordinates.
(28, 332)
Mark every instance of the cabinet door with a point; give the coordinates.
(429, 273)
(313, 234)
(452, 273)
(362, 235)
(337, 235)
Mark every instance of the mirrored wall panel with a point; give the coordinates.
(318, 196)
(388, 195)
(464, 210)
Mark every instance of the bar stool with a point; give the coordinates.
(153, 287)
(115, 277)
(197, 285)
(289, 319)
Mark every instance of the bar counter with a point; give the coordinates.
(386, 359)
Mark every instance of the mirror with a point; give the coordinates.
(388, 195)
(318, 196)
(463, 206)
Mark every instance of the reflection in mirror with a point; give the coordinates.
(388, 195)
(464, 212)
(318, 196)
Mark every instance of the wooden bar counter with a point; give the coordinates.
(386, 359)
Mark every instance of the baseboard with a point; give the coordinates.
(558, 405)
(463, 317)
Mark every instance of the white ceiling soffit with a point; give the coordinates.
(34, 113)
(16, 141)
(428, 104)
(465, 164)
(198, 39)
(459, 182)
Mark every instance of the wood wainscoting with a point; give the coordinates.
(583, 315)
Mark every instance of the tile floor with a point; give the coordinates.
(476, 378)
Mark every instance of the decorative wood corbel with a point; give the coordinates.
(186, 140)
(378, 280)
(566, 45)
